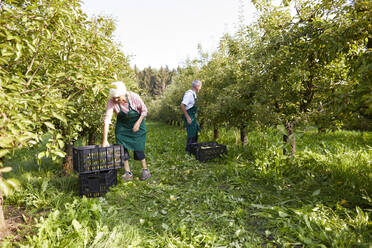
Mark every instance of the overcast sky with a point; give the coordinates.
(167, 32)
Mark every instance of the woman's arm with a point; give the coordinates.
(105, 133)
(107, 122)
(138, 123)
(140, 108)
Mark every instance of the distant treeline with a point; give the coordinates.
(153, 82)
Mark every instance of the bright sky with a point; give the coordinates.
(167, 32)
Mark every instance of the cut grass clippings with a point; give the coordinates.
(251, 197)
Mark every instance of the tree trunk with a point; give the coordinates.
(243, 136)
(216, 133)
(67, 161)
(91, 139)
(293, 146)
(289, 128)
(285, 140)
(2, 219)
(321, 130)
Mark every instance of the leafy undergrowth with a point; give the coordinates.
(252, 197)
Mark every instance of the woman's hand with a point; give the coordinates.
(136, 127)
(105, 143)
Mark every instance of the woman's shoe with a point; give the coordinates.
(127, 176)
(145, 175)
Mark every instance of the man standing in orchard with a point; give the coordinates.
(189, 109)
(130, 129)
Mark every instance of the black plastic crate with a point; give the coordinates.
(98, 183)
(88, 159)
(207, 150)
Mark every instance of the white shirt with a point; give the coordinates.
(189, 99)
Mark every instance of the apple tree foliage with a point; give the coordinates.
(55, 69)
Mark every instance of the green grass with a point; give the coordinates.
(252, 197)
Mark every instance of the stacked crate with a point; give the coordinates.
(97, 167)
(207, 150)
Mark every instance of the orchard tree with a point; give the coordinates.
(220, 98)
(25, 93)
(311, 65)
(360, 62)
(55, 66)
(94, 62)
(303, 69)
(215, 77)
(167, 107)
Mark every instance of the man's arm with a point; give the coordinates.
(183, 108)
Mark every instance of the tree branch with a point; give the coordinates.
(36, 52)
(33, 90)
(39, 42)
(37, 69)
(320, 109)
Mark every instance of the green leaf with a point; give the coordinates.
(286, 2)
(282, 129)
(31, 46)
(44, 185)
(6, 142)
(3, 61)
(4, 187)
(41, 155)
(6, 53)
(164, 226)
(50, 125)
(282, 214)
(59, 117)
(316, 192)
(59, 154)
(5, 169)
(76, 225)
(23, 138)
(3, 152)
(19, 51)
(14, 183)
(60, 74)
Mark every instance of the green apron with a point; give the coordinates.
(192, 128)
(124, 133)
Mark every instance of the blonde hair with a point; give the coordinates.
(118, 89)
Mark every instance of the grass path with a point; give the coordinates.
(253, 197)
